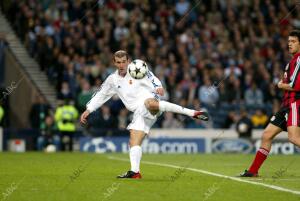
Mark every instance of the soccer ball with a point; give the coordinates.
(137, 69)
(50, 148)
(242, 127)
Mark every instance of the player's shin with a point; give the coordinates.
(165, 106)
(135, 154)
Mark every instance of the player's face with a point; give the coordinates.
(294, 44)
(121, 64)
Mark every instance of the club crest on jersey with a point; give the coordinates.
(273, 118)
(130, 81)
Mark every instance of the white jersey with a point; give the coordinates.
(132, 92)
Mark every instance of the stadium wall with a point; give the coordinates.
(189, 142)
(172, 141)
(207, 133)
(20, 91)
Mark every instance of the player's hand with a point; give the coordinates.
(160, 91)
(279, 85)
(83, 118)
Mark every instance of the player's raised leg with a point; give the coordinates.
(154, 106)
(135, 154)
(266, 142)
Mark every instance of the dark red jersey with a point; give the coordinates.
(292, 77)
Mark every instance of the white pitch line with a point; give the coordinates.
(273, 179)
(216, 175)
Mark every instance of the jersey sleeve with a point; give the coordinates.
(156, 83)
(295, 79)
(104, 93)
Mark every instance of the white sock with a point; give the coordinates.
(135, 155)
(165, 106)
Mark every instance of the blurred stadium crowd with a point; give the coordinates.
(223, 55)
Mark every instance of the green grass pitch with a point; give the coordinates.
(88, 177)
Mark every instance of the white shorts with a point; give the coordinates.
(142, 120)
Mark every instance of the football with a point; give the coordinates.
(137, 69)
(50, 148)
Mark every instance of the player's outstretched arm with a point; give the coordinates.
(83, 118)
(105, 92)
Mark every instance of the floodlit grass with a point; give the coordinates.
(82, 176)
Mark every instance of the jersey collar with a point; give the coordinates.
(117, 72)
(296, 55)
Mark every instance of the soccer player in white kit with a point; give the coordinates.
(140, 97)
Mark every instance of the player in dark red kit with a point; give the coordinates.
(288, 117)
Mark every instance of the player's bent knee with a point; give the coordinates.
(151, 104)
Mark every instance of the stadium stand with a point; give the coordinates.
(193, 48)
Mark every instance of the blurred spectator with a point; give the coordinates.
(65, 92)
(39, 110)
(271, 93)
(170, 122)
(208, 94)
(244, 125)
(107, 120)
(104, 119)
(230, 120)
(259, 119)
(232, 70)
(48, 136)
(84, 96)
(223, 93)
(182, 6)
(123, 119)
(195, 124)
(275, 106)
(187, 87)
(233, 89)
(46, 56)
(254, 96)
(121, 31)
(65, 119)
